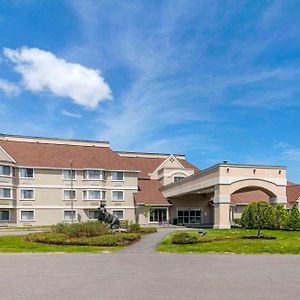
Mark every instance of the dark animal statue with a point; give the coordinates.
(106, 217)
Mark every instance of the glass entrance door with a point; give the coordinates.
(189, 216)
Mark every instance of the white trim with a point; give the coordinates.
(161, 165)
(11, 193)
(29, 209)
(9, 215)
(112, 212)
(1, 148)
(157, 207)
(117, 180)
(173, 177)
(66, 179)
(26, 199)
(117, 200)
(69, 209)
(93, 179)
(89, 199)
(83, 187)
(26, 178)
(63, 195)
(88, 212)
(11, 170)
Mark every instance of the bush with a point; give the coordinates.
(86, 229)
(258, 215)
(130, 226)
(237, 221)
(110, 240)
(146, 230)
(279, 217)
(185, 238)
(293, 219)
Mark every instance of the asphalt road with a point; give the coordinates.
(140, 273)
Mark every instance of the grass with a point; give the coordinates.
(16, 244)
(24, 228)
(286, 242)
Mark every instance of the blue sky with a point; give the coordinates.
(216, 80)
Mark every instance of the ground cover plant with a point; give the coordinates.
(233, 241)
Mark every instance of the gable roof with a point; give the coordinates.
(149, 193)
(148, 165)
(51, 155)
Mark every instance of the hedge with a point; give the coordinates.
(185, 238)
(109, 240)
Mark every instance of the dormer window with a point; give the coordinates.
(178, 178)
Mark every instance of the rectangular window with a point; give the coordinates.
(93, 214)
(68, 194)
(4, 215)
(67, 174)
(92, 195)
(158, 215)
(92, 174)
(26, 173)
(68, 215)
(5, 193)
(117, 176)
(27, 215)
(5, 171)
(27, 194)
(117, 195)
(119, 214)
(178, 178)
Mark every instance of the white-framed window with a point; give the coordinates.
(158, 215)
(27, 215)
(93, 175)
(6, 193)
(94, 195)
(117, 176)
(5, 170)
(118, 213)
(68, 173)
(68, 215)
(68, 194)
(27, 194)
(178, 178)
(4, 215)
(117, 195)
(93, 214)
(26, 173)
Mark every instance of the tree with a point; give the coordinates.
(293, 219)
(258, 215)
(280, 216)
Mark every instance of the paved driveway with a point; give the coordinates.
(140, 273)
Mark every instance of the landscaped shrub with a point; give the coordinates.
(146, 230)
(280, 215)
(293, 219)
(185, 238)
(258, 215)
(86, 229)
(237, 221)
(110, 240)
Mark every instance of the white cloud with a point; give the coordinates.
(9, 88)
(71, 114)
(43, 71)
(292, 153)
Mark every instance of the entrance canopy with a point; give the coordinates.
(222, 180)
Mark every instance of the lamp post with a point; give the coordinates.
(72, 200)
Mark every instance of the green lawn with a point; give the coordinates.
(16, 244)
(286, 242)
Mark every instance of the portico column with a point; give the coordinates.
(222, 211)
